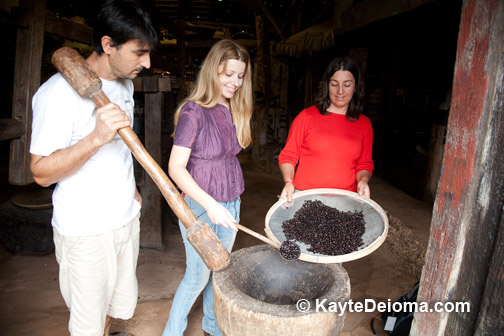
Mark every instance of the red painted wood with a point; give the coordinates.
(456, 235)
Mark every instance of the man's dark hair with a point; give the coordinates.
(123, 20)
(356, 105)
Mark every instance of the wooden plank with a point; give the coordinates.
(69, 30)
(465, 225)
(152, 84)
(11, 128)
(164, 84)
(152, 210)
(28, 61)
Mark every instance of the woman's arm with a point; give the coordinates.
(363, 178)
(287, 171)
(177, 169)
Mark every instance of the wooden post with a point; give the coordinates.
(181, 56)
(153, 89)
(151, 234)
(464, 259)
(436, 149)
(339, 8)
(313, 76)
(29, 45)
(262, 87)
(11, 128)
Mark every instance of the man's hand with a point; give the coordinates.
(109, 119)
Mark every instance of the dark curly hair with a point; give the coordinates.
(356, 103)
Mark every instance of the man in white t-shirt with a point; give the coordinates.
(96, 202)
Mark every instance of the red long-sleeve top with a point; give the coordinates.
(328, 150)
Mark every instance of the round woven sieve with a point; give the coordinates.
(376, 227)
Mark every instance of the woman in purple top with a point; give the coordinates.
(212, 125)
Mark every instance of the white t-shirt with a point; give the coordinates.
(99, 197)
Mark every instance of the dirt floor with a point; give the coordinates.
(30, 302)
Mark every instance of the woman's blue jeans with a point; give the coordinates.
(197, 276)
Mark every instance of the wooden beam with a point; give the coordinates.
(271, 19)
(69, 30)
(200, 47)
(28, 61)
(11, 129)
(340, 6)
(217, 25)
(369, 11)
(181, 9)
(463, 262)
(152, 84)
(321, 13)
(62, 27)
(252, 6)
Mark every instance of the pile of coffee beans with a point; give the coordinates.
(325, 229)
(290, 250)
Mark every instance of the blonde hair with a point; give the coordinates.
(207, 91)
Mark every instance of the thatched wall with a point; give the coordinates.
(314, 38)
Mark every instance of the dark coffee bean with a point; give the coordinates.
(290, 250)
(325, 229)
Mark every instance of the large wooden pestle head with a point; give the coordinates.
(76, 71)
(208, 246)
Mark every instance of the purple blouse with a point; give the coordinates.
(211, 135)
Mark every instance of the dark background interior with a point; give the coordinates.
(410, 64)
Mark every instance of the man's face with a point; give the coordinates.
(127, 60)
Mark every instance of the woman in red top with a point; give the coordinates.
(331, 142)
